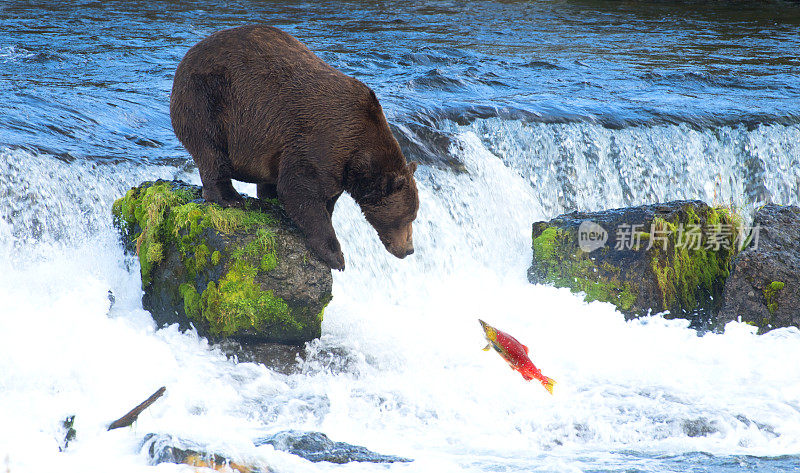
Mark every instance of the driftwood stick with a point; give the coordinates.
(131, 416)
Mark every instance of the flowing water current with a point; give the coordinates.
(518, 112)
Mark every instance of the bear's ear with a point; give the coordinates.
(412, 166)
(394, 183)
(387, 185)
(373, 106)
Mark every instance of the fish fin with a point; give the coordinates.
(487, 347)
(526, 349)
(548, 384)
(526, 376)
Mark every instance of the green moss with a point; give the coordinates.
(621, 295)
(769, 295)
(163, 216)
(544, 244)
(561, 265)
(155, 252)
(689, 275)
(191, 300)
(146, 214)
(776, 286)
(273, 201)
(123, 210)
(665, 280)
(201, 256)
(239, 305)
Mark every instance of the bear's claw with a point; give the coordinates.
(329, 251)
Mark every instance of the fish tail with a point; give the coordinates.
(548, 383)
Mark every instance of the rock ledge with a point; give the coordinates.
(244, 273)
(671, 257)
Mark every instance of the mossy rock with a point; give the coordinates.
(671, 257)
(244, 273)
(764, 287)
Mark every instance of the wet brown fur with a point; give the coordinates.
(254, 104)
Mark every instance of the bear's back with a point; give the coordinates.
(260, 91)
(264, 63)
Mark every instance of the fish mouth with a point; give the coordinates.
(490, 332)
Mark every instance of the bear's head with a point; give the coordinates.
(392, 209)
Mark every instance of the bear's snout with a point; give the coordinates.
(398, 241)
(402, 252)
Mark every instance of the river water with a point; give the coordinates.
(518, 112)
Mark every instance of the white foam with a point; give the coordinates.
(399, 368)
(14, 53)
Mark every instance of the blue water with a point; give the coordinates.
(518, 111)
(96, 75)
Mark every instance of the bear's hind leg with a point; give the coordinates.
(266, 191)
(220, 190)
(197, 118)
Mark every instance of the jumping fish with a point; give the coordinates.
(515, 354)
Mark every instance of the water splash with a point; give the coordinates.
(587, 167)
(48, 201)
(399, 368)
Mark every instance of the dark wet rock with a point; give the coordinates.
(244, 273)
(424, 143)
(293, 359)
(764, 286)
(764, 428)
(671, 257)
(317, 447)
(167, 449)
(280, 357)
(313, 446)
(68, 432)
(700, 427)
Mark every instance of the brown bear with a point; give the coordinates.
(254, 104)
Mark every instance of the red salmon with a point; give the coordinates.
(515, 354)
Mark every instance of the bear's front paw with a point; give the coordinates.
(335, 261)
(329, 251)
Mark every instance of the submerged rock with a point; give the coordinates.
(317, 447)
(313, 446)
(167, 449)
(68, 432)
(764, 286)
(700, 427)
(279, 357)
(663, 257)
(244, 272)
